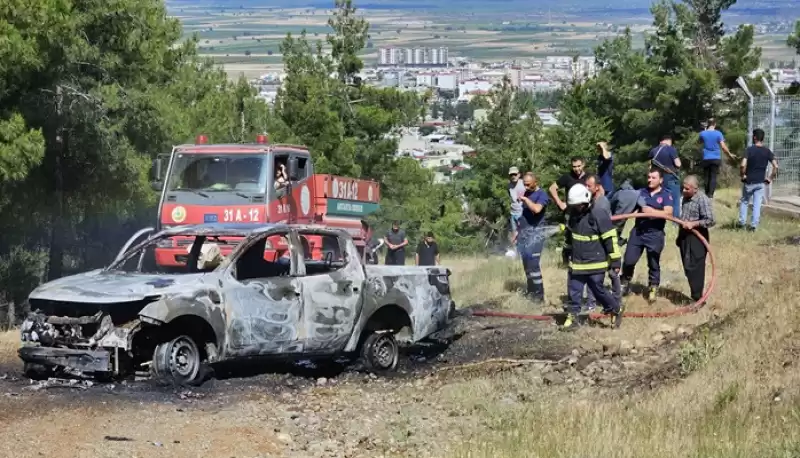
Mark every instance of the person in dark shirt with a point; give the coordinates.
(605, 169)
(623, 201)
(753, 170)
(530, 237)
(601, 203)
(577, 175)
(396, 242)
(648, 234)
(665, 158)
(428, 251)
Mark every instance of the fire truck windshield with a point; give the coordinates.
(209, 172)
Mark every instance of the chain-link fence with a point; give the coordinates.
(779, 117)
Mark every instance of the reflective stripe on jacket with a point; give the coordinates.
(594, 242)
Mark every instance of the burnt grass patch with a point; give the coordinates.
(473, 339)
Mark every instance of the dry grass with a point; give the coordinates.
(9, 343)
(740, 403)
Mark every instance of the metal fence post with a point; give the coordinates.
(772, 107)
(743, 85)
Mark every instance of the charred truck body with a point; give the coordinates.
(270, 297)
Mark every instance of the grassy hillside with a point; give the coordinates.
(729, 390)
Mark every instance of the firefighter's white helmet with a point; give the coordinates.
(578, 194)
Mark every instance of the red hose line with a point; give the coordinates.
(678, 311)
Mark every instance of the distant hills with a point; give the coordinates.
(463, 5)
(775, 8)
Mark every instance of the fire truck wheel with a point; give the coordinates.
(380, 352)
(178, 361)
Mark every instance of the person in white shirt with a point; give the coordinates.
(515, 189)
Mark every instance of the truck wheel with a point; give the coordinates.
(380, 352)
(178, 361)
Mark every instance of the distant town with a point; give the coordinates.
(452, 82)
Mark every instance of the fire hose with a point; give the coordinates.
(678, 311)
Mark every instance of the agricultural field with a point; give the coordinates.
(247, 39)
(251, 38)
(774, 49)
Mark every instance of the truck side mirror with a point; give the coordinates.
(157, 185)
(293, 169)
(160, 164)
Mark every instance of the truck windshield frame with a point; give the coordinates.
(210, 172)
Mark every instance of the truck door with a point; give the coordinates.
(332, 289)
(291, 200)
(263, 305)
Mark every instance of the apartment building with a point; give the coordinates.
(414, 57)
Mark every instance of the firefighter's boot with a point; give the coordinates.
(573, 322)
(652, 293)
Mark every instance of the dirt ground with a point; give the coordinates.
(258, 410)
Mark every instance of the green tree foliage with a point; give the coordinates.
(685, 75)
(349, 37)
(90, 93)
(794, 38)
(349, 127)
(511, 135)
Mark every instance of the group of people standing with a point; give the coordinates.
(395, 240)
(593, 241)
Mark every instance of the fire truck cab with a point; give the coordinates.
(255, 184)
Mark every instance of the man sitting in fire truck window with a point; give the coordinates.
(281, 176)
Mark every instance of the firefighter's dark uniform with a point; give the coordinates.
(594, 251)
(647, 235)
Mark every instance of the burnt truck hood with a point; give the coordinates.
(103, 287)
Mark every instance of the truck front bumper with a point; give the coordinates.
(82, 360)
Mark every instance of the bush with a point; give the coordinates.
(21, 271)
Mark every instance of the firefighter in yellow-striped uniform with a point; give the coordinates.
(594, 251)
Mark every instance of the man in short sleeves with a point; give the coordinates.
(648, 234)
(396, 242)
(753, 170)
(713, 141)
(530, 237)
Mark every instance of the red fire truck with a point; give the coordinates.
(255, 184)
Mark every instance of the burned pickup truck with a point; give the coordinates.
(282, 291)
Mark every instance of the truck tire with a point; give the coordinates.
(380, 352)
(178, 361)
